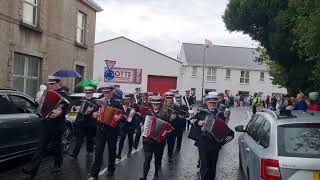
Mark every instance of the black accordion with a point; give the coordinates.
(217, 129)
(85, 104)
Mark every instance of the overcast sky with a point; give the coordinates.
(163, 24)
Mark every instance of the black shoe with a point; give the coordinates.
(177, 149)
(110, 172)
(56, 170)
(129, 154)
(72, 156)
(118, 156)
(89, 153)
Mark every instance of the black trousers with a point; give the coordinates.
(208, 162)
(87, 132)
(171, 143)
(123, 134)
(178, 137)
(254, 109)
(52, 138)
(109, 135)
(188, 124)
(137, 137)
(155, 149)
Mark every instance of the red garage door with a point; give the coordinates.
(161, 84)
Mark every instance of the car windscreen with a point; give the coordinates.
(299, 140)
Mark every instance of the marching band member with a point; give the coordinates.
(150, 146)
(171, 111)
(51, 131)
(85, 124)
(208, 148)
(181, 123)
(143, 102)
(127, 128)
(190, 100)
(106, 133)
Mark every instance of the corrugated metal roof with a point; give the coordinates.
(222, 56)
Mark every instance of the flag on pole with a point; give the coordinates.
(208, 43)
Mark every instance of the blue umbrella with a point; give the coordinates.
(67, 73)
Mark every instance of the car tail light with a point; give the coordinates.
(270, 169)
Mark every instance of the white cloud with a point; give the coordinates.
(161, 25)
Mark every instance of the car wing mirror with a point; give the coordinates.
(240, 128)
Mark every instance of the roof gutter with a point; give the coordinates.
(93, 5)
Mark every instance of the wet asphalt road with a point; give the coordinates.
(183, 166)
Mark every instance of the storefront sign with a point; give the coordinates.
(126, 75)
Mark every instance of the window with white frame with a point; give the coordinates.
(26, 73)
(211, 74)
(81, 27)
(261, 76)
(228, 73)
(30, 12)
(194, 71)
(244, 78)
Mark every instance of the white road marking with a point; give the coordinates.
(103, 171)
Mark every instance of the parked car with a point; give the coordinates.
(20, 125)
(276, 147)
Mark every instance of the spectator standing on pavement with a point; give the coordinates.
(254, 103)
(287, 107)
(301, 104)
(314, 103)
(267, 101)
(52, 128)
(273, 103)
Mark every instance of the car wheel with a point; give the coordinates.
(67, 138)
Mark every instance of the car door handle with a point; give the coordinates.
(248, 149)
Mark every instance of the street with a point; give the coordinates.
(183, 166)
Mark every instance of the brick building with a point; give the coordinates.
(40, 37)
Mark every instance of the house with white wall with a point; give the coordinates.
(226, 69)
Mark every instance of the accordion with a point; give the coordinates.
(85, 104)
(217, 129)
(50, 101)
(144, 110)
(106, 115)
(130, 112)
(156, 129)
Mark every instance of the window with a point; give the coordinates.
(26, 74)
(211, 74)
(244, 78)
(250, 124)
(265, 135)
(261, 76)
(30, 12)
(194, 71)
(23, 104)
(256, 128)
(5, 106)
(81, 27)
(228, 73)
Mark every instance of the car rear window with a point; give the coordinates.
(299, 140)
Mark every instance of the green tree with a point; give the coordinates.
(288, 31)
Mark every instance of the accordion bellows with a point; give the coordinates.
(156, 129)
(216, 128)
(50, 100)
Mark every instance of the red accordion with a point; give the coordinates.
(106, 115)
(156, 129)
(50, 101)
(217, 128)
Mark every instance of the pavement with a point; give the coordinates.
(183, 166)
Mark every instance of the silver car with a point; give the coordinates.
(276, 147)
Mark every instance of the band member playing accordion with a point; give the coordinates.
(171, 112)
(180, 124)
(128, 123)
(53, 107)
(85, 124)
(213, 134)
(107, 131)
(154, 146)
(143, 106)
